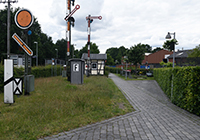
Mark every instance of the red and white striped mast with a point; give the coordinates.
(68, 28)
(69, 19)
(90, 20)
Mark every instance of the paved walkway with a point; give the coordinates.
(155, 118)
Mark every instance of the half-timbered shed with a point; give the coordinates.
(97, 63)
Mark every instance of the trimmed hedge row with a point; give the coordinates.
(186, 86)
(117, 70)
(41, 71)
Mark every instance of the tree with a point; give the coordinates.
(147, 48)
(117, 53)
(110, 60)
(195, 52)
(121, 52)
(156, 49)
(76, 54)
(169, 44)
(93, 49)
(113, 52)
(46, 46)
(136, 54)
(61, 45)
(14, 48)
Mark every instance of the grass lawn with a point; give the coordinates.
(56, 106)
(139, 78)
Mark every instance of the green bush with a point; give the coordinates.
(41, 71)
(117, 70)
(186, 86)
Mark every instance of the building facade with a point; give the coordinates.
(154, 59)
(97, 63)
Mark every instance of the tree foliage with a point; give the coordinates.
(147, 48)
(169, 44)
(110, 60)
(93, 49)
(156, 49)
(46, 47)
(195, 52)
(136, 54)
(117, 53)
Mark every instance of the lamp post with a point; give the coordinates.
(126, 59)
(36, 53)
(169, 37)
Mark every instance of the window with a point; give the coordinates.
(94, 65)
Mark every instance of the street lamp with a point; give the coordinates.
(36, 53)
(169, 37)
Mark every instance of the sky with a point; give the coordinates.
(124, 22)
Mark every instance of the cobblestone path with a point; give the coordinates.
(155, 118)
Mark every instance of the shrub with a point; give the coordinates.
(41, 71)
(186, 86)
(117, 70)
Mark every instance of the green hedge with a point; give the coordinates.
(117, 70)
(41, 71)
(112, 69)
(186, 86)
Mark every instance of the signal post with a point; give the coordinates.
(90, 20)
(70, 20)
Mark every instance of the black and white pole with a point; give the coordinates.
(68, 28)
(8, 81)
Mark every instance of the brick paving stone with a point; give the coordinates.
(155, 118)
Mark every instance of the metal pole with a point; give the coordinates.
(68, 28)
(174, 52)
(172, 84)
(90, 19)
(26, 68)
(56, 62)
(126, 70)
(37, 55)
(8, 31)
(89, 29)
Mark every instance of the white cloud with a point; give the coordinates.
(124, 22)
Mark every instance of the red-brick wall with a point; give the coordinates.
(156, 57)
